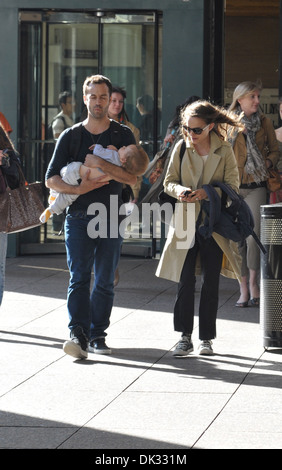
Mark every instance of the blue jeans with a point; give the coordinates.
(3, 252)
(90, 311)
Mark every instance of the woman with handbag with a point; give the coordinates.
(9, 174)
(208, 158)
(256, 151)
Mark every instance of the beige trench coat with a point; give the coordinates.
(221, 165)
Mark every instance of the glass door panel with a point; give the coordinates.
(130, 57)
(71, 56)
(30, 109)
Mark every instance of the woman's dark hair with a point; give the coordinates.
(211, 114)
(122, 115)
(64, 96)
(117, 89)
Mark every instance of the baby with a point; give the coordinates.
(132, 158)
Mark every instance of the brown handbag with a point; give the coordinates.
(274, 180)
(20, 208)
(2, 182)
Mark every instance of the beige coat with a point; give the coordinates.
(134, 129)
(220, 166)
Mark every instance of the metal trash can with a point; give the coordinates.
(271, 275)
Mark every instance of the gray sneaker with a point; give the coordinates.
(184, 346)
(98, 346)
(205, 348)
(77, 346)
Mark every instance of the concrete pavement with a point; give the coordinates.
(140, 397)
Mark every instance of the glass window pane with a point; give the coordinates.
(72, 56)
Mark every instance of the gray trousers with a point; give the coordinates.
(250, 252)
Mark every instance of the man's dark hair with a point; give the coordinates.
(64, 96)
(147, 102)
(97, 79)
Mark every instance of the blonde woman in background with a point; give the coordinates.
(256, 150)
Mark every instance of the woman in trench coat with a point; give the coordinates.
(208, 158)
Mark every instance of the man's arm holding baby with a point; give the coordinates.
(114, 172)
(87, 184)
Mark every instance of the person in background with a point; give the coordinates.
(173, 133)
(277, 195)
(118, 113)
(9, 162)
(174, 126)
(256, 150)
(147, 126)
(63, 119)
(208, 158)
(60, 122)
(5, 124)
(145, 106)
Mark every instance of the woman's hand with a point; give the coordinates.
(193, 196)
(169, 138)
(184, 196)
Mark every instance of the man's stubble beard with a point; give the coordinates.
(100, 115)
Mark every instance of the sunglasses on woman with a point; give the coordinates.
(195, 130)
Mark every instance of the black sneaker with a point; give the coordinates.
(77, 346)
(98, 346)
(184, 346)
